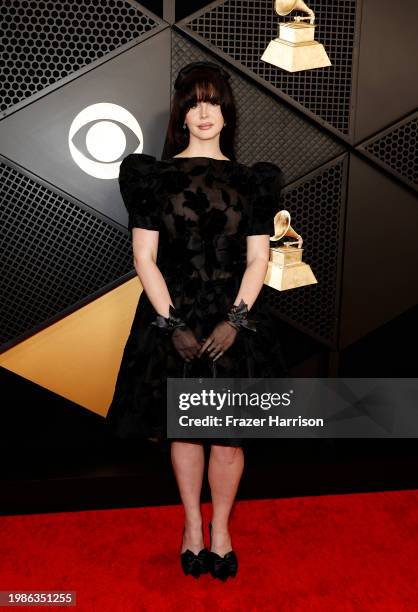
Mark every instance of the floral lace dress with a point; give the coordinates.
(203, 209)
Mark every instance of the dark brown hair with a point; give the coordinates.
(195, 82)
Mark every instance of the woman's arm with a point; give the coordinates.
(258, 253)
(145, 249)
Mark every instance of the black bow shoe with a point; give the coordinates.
(222, 567)
(195, 564)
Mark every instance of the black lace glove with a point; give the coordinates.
(185, 343)
(181, 335)
(225, 332)
(220, 339)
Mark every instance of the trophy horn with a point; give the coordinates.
(282, 228)
(284, 7)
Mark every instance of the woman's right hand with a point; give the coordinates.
(185, 343)
(221, 338)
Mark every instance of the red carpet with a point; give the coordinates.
(335, 552)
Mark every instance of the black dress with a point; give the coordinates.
(203, 208)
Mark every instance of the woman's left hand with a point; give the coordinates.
(221, 338)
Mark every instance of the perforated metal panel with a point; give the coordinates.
(396, 149)
(43, 42)
(316, 205)
(53, 254)
(242, 29)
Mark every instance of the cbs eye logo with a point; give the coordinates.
(98, 130)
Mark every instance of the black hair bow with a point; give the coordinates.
(186, 70)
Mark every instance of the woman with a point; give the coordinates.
(200, 225)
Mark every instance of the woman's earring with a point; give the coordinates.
(225, 124)
(184, 126)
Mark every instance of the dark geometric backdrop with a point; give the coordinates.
(345, 137)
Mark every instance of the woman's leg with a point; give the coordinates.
(226, 464)
(188, 459)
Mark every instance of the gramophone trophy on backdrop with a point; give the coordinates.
(286, 270)
(295, 49)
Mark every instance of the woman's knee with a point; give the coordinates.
(225, 454)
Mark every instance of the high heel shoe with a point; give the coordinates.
(194, 564)
(222, 567)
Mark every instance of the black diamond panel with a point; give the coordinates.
(243, 29)
(397, 149)
(43, 42)
(53, 254)
(267, 129)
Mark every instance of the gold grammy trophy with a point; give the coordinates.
(295, 49)
(286, 270)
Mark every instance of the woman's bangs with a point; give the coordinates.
(205, 91)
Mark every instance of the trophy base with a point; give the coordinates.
(289, 277)
(294, 57)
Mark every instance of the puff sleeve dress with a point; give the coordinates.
(203, 209)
